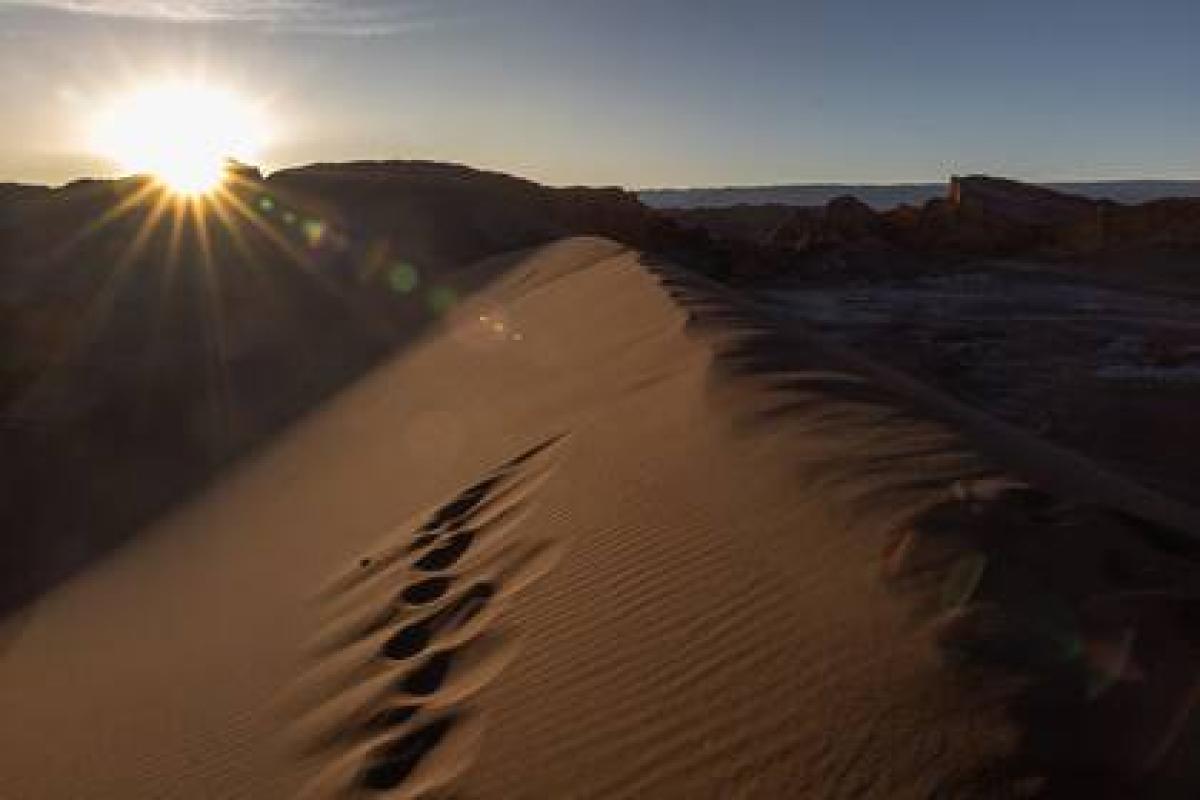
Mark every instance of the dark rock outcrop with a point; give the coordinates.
(979, 217)
(979, 196)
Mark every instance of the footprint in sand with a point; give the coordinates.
(415, 621)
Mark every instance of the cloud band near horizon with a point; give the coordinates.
(330, 17)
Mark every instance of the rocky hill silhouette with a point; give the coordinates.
(884, 196)
(147, 340)
(1152, 243)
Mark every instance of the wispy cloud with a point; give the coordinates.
(330, 17)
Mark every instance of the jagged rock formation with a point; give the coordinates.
(1019, 203)
(883, 197)
(979, 217)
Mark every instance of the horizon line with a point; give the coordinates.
(733, 187)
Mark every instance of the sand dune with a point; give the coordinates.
(607, 532)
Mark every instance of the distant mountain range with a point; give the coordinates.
(884, 196)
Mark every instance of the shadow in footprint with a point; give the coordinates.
(421, 542)
(394, 762)
(425, 592)
(390, 718)
(412, 639)
(462, 505)
(429, 677)
(447, 555)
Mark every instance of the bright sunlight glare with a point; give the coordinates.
(181, 133)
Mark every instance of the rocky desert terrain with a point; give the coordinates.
(1076, 318)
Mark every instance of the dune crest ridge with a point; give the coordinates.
(606, 533)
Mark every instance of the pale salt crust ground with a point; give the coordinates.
(559, 549)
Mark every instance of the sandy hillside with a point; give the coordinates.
(607, 534)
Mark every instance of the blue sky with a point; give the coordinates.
(640, 92)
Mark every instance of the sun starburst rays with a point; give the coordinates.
(180, 132)
(160, 232)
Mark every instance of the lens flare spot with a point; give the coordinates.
(314, 232)
(402, 278)
(441, 299)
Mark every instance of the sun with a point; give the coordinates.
(179, 132)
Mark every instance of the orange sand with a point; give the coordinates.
(572, 546)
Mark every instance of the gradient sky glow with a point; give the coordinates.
(639, 92)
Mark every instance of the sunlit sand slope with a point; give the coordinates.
(608, 533)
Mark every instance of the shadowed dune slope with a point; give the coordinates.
(607, 533)
(146, 341)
